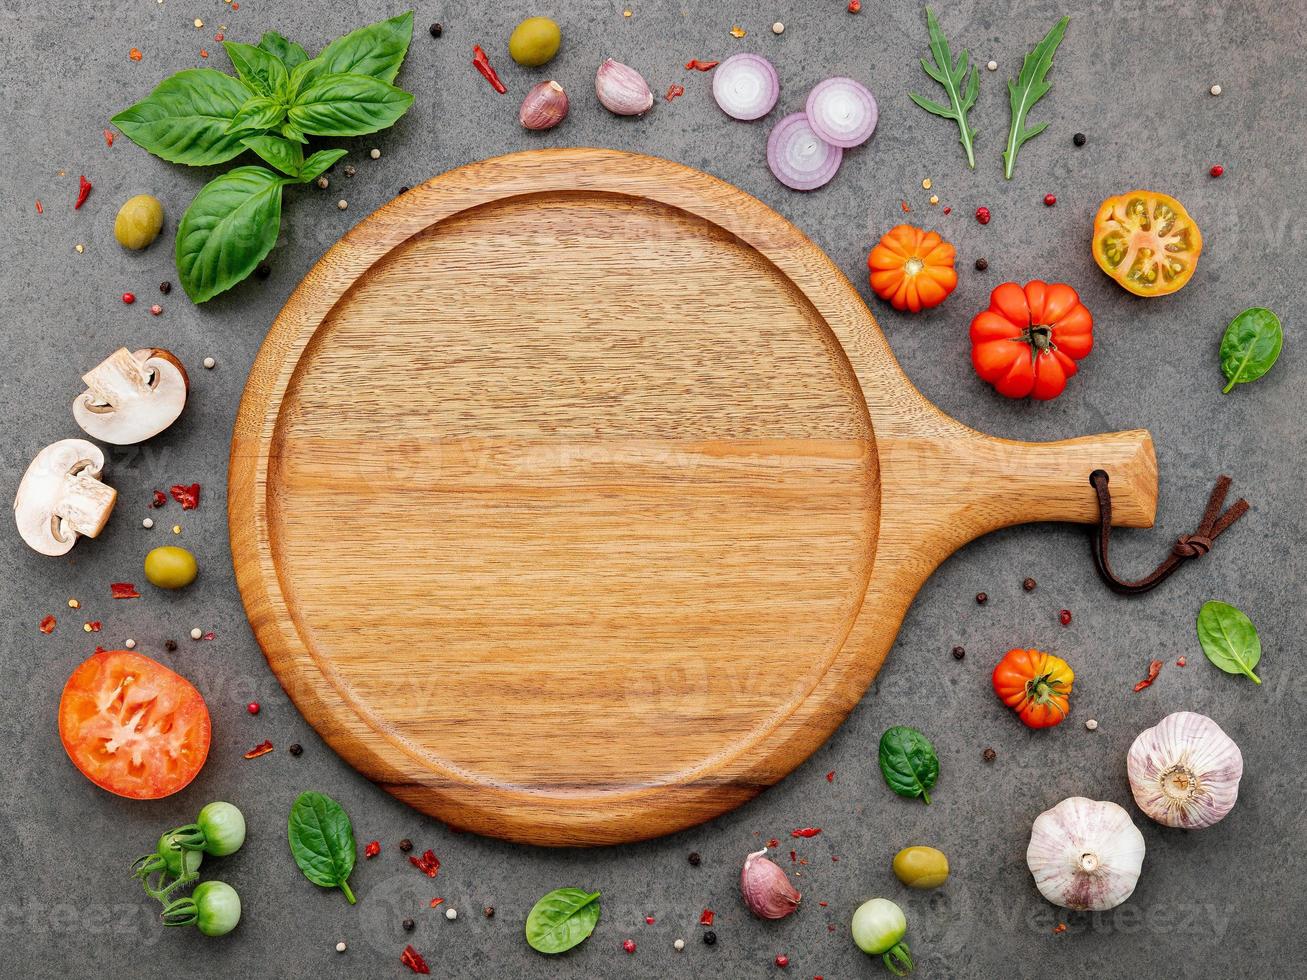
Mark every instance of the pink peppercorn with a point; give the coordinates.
(782, 960)
(1064, 617)
(129, 298)
(629, 945)
(1217, 170)
(252, 707)
(982, 215)
(156, 309)
(1049, 200)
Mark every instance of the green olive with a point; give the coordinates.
(534, 41)
(139, 222)
(921, 867)
(170, 567)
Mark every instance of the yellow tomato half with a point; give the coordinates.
(1147, 242)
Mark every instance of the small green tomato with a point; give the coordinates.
(534, 41)
(139, 222)
(170, 567)
(921, 867)
(219, 830)
(214, 908)
(878, 928)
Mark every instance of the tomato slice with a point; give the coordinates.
(1147, 242)
(132, 726)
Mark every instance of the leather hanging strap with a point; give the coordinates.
(1213, 525)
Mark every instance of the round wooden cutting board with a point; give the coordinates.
(576, 496)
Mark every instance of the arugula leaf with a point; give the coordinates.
(263, 72)
(260, 113)
(1250, 346)
(286, 156)
(908, 762)
(348, 105)
(287, 52)
(952, 74)
(1229, 639)
(227, 230)
(1028, 89)
(318, 164)
(185, 119)
(562, 919)
(376, 50)
(322, 841)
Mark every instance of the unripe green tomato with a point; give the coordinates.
(139, 222)
(534, 41)
(170, 567)
(921, 867)
(878, 925)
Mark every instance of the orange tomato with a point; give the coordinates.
(1146, 242)
(1036, 685)
(1028, 341)
(911, 268)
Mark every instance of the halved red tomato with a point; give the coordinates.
(132, 726)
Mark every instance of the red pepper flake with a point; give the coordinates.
(435, 902)
(83, 192)
(482, 64)
(411, 958)
(48, 624)
(204, 53)
(794, 856)
(823, 904)
(674, 91)
(773, 843)
(372, 849)
(694, 64)
(235, 6)
(99, 649)
(93, 626)
(904, 206)
(1059, 929)
(1154, 669)
(1181, 662)
(806, 832)
(948, 210)
(707, 917)
(188, 497)
(211, 635)
(629, 945)
(123, 590)
(108, 137)
(160, 498)
(428, 863)
(263, 748)
(39, 209)
(220, 37)
(135, 54)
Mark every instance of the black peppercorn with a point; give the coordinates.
(710, 938)
(170, 645)
(263, 271)
(489, 911)
(959, 653)
(437, 30)
(295, 749)
(989, 755)
(165, 287)
(1028, 584)
(981, 598)
(406, 845)
(1078, 139)
(982, 265)
(694, 859)
(408, 925)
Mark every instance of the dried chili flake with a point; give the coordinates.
(806, 832)
(204, 52)
(482, 64)
(92, 627)
(123, 590)
(694, 64)
(436, 902)
(411, 958)
(39, 209)
(674, 91)
(706, 918)
(904, 206)
(263, 748)
(135, 54)
(159, 499)
(1154, 669)
(48, 624)
(108, 137)
(830, 776)
(823, 904)
(794, 856)
(773, 843)
(99, 649)
(211, 635)
(738, 31)
(1059, 929)
(220, 37)
(188, 497)
(428, 863)
(372, 849)
(83, 191)
(948, 210)
(1181, 662)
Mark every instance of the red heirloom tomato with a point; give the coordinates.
(911, 268)
(1028, 341)
(1036, 685)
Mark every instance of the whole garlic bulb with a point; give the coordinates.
(1085, 854)
(1185, 772)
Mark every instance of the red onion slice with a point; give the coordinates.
(842, 112)
(746, 86)
(799, 157)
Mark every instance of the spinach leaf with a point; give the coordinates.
(952, 74)
(258, 114)
(376, 50)
(318, 164)
(1029, 88)
(1229, 639)
(908, 762)
(228, 229)
(348, 105)
(287, 52)
(286, 156)
(260, 70)
(562, 919)
(1250, 346)
(322, 841)
(185, 118)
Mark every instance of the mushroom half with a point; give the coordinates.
(130, 397)
(61, 497)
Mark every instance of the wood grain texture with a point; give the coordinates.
(576, 497)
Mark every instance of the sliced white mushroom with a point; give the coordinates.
(130, 397)
(61, 497)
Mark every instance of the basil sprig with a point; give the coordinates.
(322, 841)
(278, 99)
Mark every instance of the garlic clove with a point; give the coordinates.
(544, 107)
(766, 889)
(622, 89)
(1185, 771)
(1085, 854)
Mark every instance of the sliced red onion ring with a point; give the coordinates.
(746, 86)
(798, 156)
(842, 112)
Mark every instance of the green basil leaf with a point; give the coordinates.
(562, 919)
(286, 156)
(322, 841)
(260, 70)
(348, 105)
(185, 118)
(287, 52)
(376, 50)
(1229, 639)
(908, 762)
(258, 114)
(1250, 346)
(318, 164)
(227, 230)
